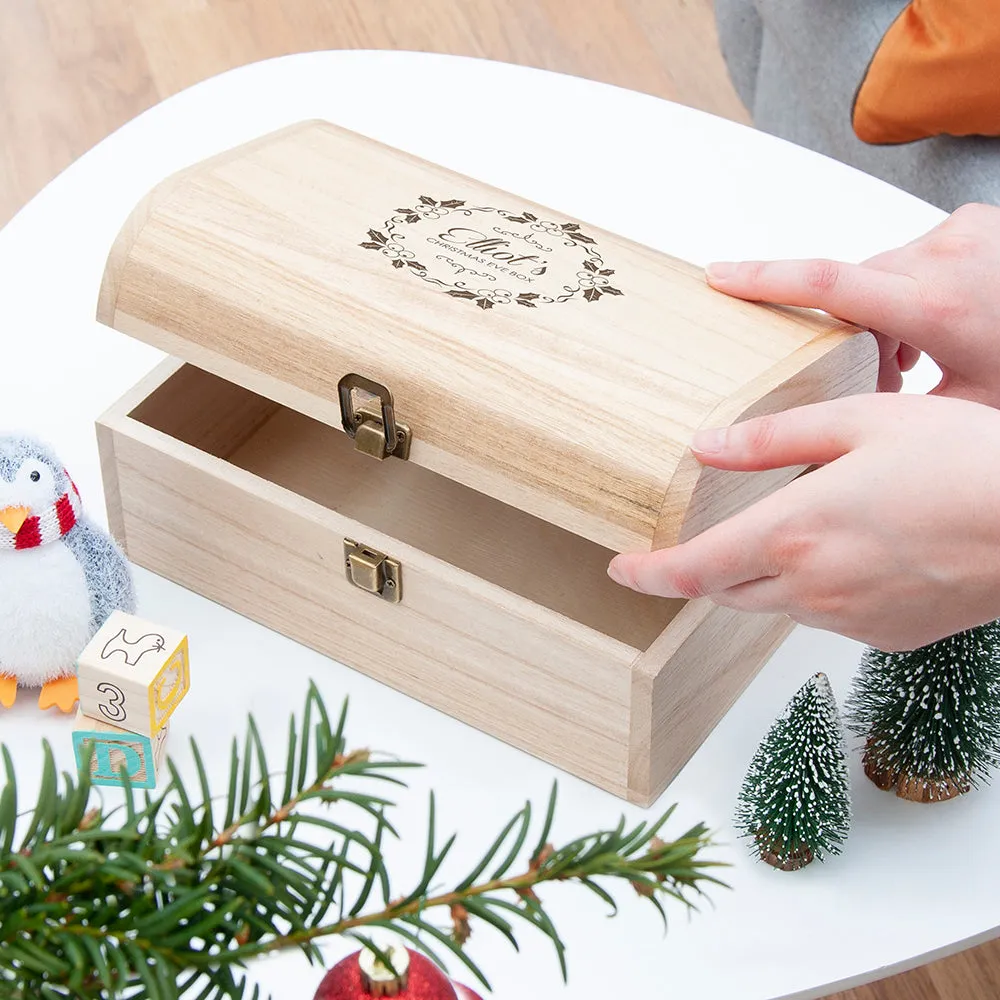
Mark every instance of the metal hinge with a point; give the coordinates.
(373, 571)
(372, 424)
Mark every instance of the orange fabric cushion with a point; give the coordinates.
(936, 72)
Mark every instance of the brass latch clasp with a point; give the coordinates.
(373, 571)
(372, 424)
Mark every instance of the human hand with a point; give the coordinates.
(893, 541)
(939, 294)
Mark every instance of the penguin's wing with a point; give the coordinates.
(109, 580)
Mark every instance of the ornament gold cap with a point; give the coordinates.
(379, 981)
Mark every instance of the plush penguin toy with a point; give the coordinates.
(60, 576)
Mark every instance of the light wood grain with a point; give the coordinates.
(973, 974)
(265, 266)
(685, 683)
(467, 529)
(507, 622)
(72, 72)
(200, 409)
(807, 377)
(498, 661)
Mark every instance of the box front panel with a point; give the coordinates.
(490, 658)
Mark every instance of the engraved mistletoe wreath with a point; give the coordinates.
(591, 280)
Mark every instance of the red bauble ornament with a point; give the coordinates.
(413, 977)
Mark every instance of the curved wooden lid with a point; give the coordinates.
(554, 366)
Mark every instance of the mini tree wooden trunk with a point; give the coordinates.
(408, 419)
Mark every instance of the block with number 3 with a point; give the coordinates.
(133, 674)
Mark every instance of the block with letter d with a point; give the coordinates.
(133, 674)
(117, 751)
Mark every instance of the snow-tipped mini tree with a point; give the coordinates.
(795, 801)
(930, 718)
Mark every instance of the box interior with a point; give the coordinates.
(523, 554)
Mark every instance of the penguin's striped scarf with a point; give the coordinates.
(50, 525)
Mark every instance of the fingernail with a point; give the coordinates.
(710, 441)
(720, 271)
(615, 573)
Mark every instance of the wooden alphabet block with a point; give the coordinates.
(133, 674)
(116, 750)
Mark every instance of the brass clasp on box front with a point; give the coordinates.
(372, 424)
(373, 571)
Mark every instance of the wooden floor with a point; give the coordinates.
(71, 71)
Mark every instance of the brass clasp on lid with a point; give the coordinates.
(374, 428)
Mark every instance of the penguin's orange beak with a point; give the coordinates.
(13, 517)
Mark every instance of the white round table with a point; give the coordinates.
(915, 882)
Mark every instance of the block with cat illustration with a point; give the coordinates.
(133, 674)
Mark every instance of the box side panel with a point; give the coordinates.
(497, 662)
(201, 407)
(681, 691)
(701, 496)
(219, 415)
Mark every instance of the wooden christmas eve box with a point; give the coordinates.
(408, 419)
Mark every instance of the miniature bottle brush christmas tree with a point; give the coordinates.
(930, 718)
(795, 801)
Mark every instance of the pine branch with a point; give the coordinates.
(172, 894)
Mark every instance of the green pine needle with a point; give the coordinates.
(170, 896)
